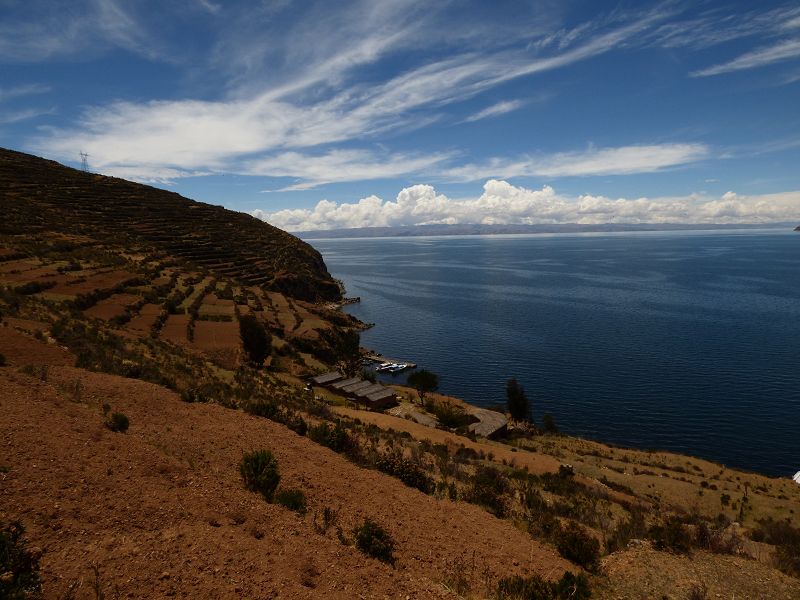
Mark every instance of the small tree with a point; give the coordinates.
(374, 541)
(517, 401)
(423, 381)
(549, 424)
(260, 472)
(255, 339)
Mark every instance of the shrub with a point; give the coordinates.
(450, 415)
(633, 528)
(255, 339)
(396, 465)
(488, 487)
(34, 287)
(279, 414)
(549, 424)
(671, 536)
(336, 438)
(117, 422)
(19, 567)
(570, 586)
(573, 543)
(374, 541)
(786, 540)
(259, 470)
(292, 499)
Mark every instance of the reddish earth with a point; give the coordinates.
(218, 340)
(174, 329)
(143, 322)
(161, 510)
(111, 307)
(643, 573)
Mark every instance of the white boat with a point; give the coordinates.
(384, 366)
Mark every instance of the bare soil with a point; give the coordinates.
(161, 510)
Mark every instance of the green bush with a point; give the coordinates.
(632, 528)
(259, 470)
(488, 488)
(118, 422)
(569, 587)
(396, 465)
(256, 341)
(672, 536)
(573, 543)
(786, 540)
(374, 541)
(19, 567)
(336, 438)
(292, 499)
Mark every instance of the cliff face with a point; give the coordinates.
(40, 195)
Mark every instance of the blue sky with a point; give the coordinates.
(395, 112)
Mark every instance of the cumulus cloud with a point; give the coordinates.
(503, 203)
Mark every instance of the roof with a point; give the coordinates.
(364, 392)
(386, 393)
(490, 422)
(344, 383)
(357, 386)
(327, 378)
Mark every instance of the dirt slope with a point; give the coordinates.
(161, 510)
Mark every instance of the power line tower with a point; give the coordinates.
(84, 161)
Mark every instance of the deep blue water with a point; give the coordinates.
(686, 341)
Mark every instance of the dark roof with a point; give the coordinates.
(326, 378)
(386, 393)
(345, 382)
(364, 392)
(356, 386)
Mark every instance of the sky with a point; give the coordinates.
(319, 115)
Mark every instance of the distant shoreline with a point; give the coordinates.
(478, 229)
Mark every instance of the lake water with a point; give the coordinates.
(686, 341)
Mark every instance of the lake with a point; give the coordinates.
(683, 341)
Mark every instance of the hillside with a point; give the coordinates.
(38, 195)
(105, 325)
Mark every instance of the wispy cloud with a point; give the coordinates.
(496, 110)
(16, 116)
(20, 91)
(38, 30)
(625, 160)
(340, 166)
(503, 203)
(191, 135)
(779, 52)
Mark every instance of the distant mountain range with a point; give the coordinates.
(478, 229)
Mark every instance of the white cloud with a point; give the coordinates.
(20, 91)
(503, 203)
(311, 106)
(50, 30)
(496, 110)
(781, 51)
(16, 116)
(625, 160)
(339, 166)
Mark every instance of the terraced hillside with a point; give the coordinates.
(40, 195)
